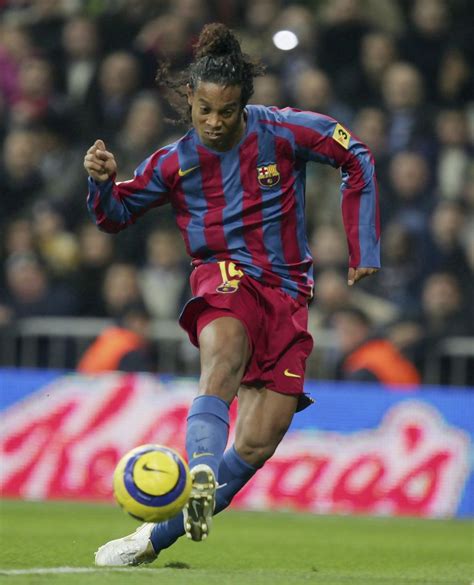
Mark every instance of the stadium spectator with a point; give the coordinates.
(19, 237)
(454, 151)
(96, 253)
(401, 279)
(312, 91)
(58, 150)
(79, 60)
(60, 46)
(445, 312)
(370, 124)
(195, 13)
(30, 292)
(37, 98)
(163, 278)
(446, 250)
(367, 357)
(426, 40)
(333, 295)
(255, 28)
(120, 22)
(120, 288)
(142, 132)
(124, 347)
(362, 85)
(345, 25)
(409, 119)
(16, 47)
(57, 246)
(269, 91)
(329, 249)
(409, 198)
(456, 78)
(44, 20)
(20, 177)
(119, 79)
(165, 37)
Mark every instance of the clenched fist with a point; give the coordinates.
(99, 162)
(356, 274)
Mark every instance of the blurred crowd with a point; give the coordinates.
(398, 73)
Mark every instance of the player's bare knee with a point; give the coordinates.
(256, 444)
(254, 454)
(258, 448)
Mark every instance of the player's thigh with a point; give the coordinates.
(263, 419)
(225, 350)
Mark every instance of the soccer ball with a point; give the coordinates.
(152, 483)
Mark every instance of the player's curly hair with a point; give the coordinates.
(218, 58)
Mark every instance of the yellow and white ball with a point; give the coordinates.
(152, 483)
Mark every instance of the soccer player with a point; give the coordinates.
(236, 182)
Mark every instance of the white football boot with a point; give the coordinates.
(134, 549)
(200, 506)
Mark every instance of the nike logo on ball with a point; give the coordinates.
(289, 374)
(182, 173)
(146, 468)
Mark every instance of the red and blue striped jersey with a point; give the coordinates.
(247, 204)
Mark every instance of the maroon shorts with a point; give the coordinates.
(276, 324)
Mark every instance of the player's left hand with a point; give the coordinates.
(355, 274)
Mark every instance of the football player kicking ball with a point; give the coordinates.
(236, 182)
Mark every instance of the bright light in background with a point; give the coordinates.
(285, 40)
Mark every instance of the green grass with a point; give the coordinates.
(244, 549)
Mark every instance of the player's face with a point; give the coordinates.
(217, 114)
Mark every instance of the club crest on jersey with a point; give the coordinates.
(230, 286)
(268, 175)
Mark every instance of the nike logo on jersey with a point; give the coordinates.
(182, 173)
(289, 374)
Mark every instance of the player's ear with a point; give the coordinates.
(189, 94)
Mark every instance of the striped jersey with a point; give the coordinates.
(247, 204)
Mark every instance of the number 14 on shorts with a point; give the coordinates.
(231, 276)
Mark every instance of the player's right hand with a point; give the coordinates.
(99, 162)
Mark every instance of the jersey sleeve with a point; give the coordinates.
(114, 205)
(322, 139)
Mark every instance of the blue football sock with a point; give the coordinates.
(207, 431)
(233, 474)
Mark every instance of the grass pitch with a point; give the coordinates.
(244, 549)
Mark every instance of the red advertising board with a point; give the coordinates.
(64, 441)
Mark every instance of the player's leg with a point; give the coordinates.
(233, 474)
(224, 351)
(263, 419)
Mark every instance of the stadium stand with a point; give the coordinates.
(399, 73)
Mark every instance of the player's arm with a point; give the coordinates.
(322, 139)
(115, 205)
